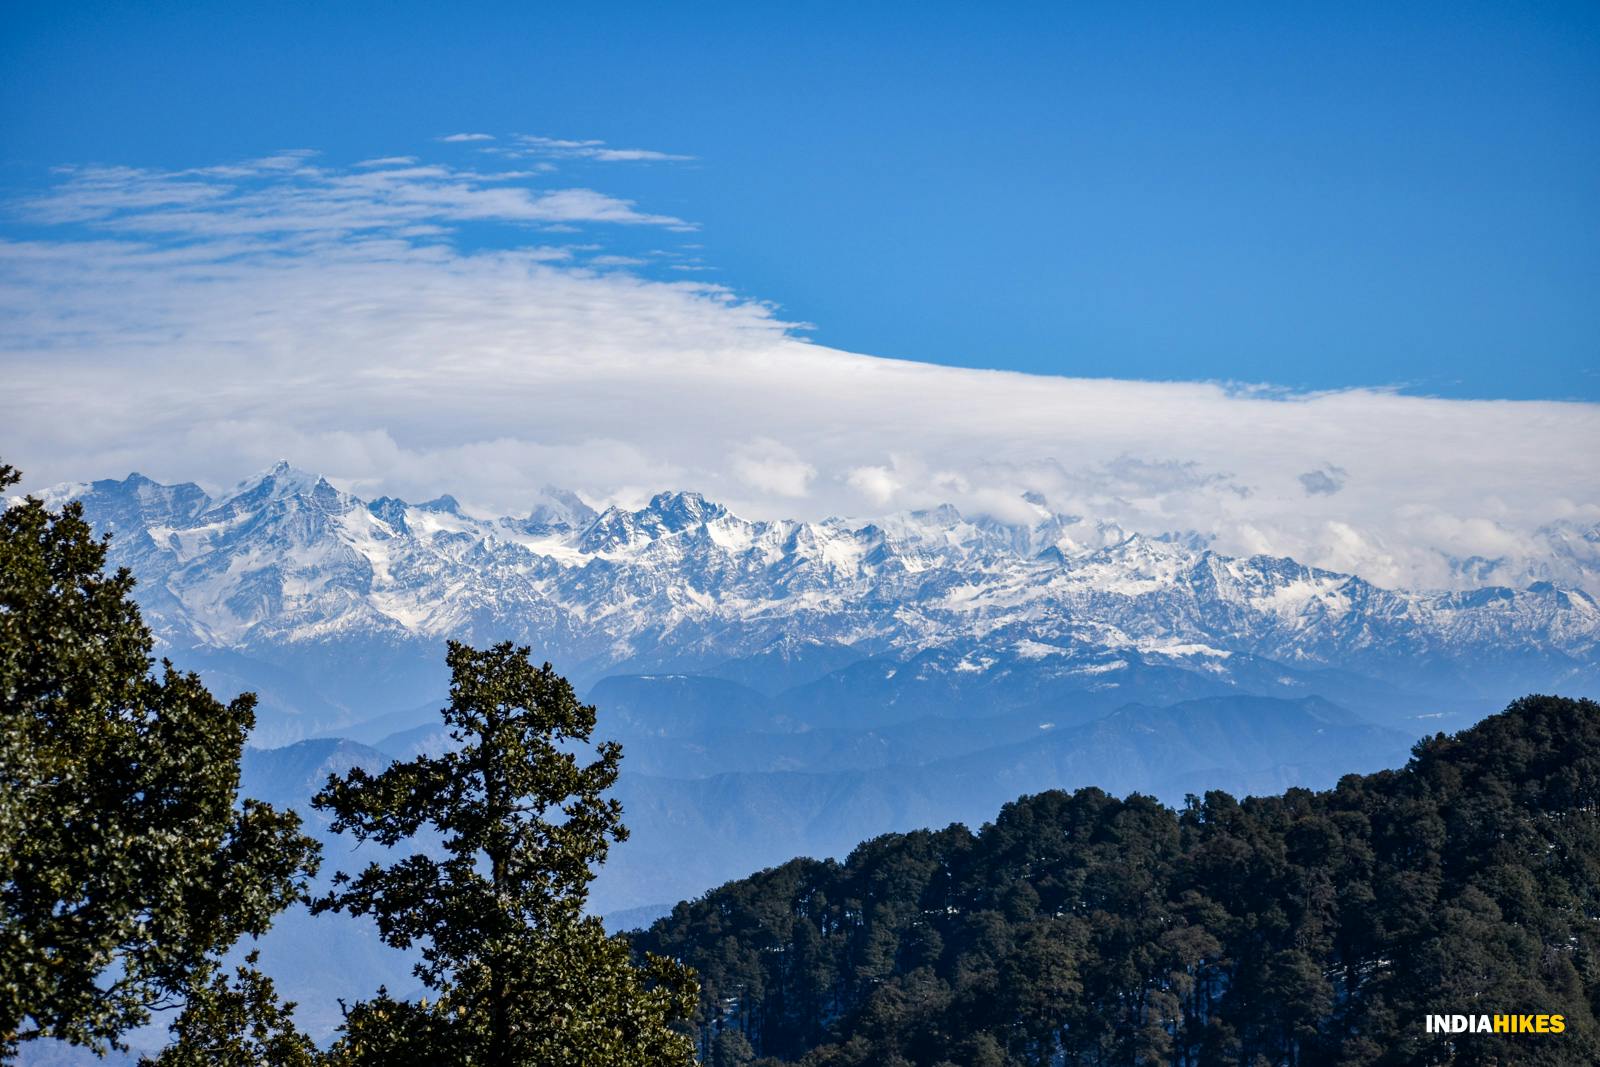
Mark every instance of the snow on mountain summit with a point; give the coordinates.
(557, 509)
(287, 559)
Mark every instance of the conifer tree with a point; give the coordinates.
(520, 974)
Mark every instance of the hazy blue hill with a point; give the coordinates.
(429, 739)
(61, 1054)
(826, 749)
(354, 680)
(317, 959)
(884, 691)
(787, 663)
(1245, 745)
(290, 775)
(288, 707)
(374, 730)
(636, 918)
(696, 830)
(686, 726)
(679, 705)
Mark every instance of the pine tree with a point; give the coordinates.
(522, 976)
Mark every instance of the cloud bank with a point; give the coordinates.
(202, 324)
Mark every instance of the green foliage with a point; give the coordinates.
(237, 1024)
(1307, 928)
(522, 976)
(126, 863)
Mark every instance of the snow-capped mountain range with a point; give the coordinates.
(286, 570)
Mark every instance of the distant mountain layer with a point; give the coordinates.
(689, 834)
(333, 608)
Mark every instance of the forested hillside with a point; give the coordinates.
(1306, 928)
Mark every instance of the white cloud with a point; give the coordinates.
(528, 145)
(460, 138)
(289, 195)
(772, 467)
(201, 324)
(877, 484)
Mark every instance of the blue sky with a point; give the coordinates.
(1311, 196)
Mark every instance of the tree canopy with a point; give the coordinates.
(127, 862)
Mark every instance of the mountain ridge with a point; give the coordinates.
(355, 598)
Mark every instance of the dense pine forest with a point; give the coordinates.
(1307, 928)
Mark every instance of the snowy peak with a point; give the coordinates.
(277, 482)
(279, 491)
(1565, 553)
(445, 504)
(558, 510)
(667, 513)
(392, 512)
(286, 560)
(137, 500)
(612, 529)
(673, 512)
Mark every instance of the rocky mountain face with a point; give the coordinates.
(334, 607)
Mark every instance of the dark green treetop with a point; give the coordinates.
(496, 907)
(238, 1023)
